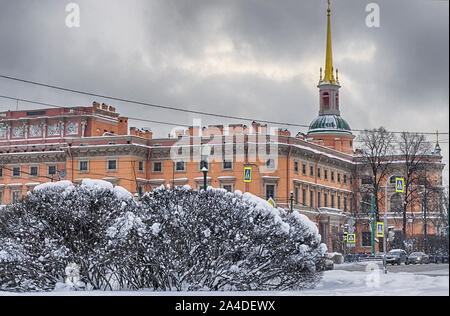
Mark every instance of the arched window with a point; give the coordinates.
(326, 100)
(392, 179)
(396, 203)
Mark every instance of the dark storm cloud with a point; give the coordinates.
(257, 58)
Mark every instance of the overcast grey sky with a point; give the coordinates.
(251, 58)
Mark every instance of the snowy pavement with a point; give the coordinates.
(334, 283)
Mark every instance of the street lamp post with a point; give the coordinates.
(373, 224)
(372, 205)
(206, 151)
(205, 174)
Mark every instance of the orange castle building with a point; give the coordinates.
(320, 173)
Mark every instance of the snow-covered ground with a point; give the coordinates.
(334, 283)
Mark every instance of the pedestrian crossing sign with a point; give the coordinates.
(400, 185)
(380, 229)
(351, 238)
(247, 175)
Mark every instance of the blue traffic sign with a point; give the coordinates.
(400, 185)
(247, 174)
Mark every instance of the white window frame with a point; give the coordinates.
(223, 165)
(14, 198)
(20, 172)
(176, 166)
(107, 165)
(223, 185)
(48, 170)
(153, 166)
(141, 170)
(31, 175)
(79, 166)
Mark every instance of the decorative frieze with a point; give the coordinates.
(35, 130)
(53, 129)
(72, 128)
(18, 131)
(3, 132)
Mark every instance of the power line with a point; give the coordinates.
(445, 141)
(165, 107)
(172, 108)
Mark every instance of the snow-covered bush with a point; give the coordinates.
(172, 239)
(216, 240)
(56, 225)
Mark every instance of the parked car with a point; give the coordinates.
(439, 258)
(418, 258)
(396, 256)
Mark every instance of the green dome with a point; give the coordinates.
(329, 123)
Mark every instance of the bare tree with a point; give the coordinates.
(414, 151)
(377, 152)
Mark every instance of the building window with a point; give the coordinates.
(325, 199)
(325, 175)
(319, 199)
(157, 167)
(326, 100)
(366, 203)
(366, 180)
(392, 179)
(311, 171)
(228, 187)
(304, 169)
(319, 173)
(52, 170)
(1, 172)
(345, 204)
(141, 166)
(345, 179)
(296, 166)
(83, 166)
(332, 201)
(227, 165)
(270, 191)
(396, 203)
(1, 197)
(16, 172)
(296, 195)
(366, 239)
(339, 202)
(112, 165)
(34, 171)
(339, 177)
(16, 196)
(332, 176)
(304, 196)
(311, 198)
(180, 166)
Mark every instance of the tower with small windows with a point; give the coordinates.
(329, 128)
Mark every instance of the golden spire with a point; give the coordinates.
(329, 76)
